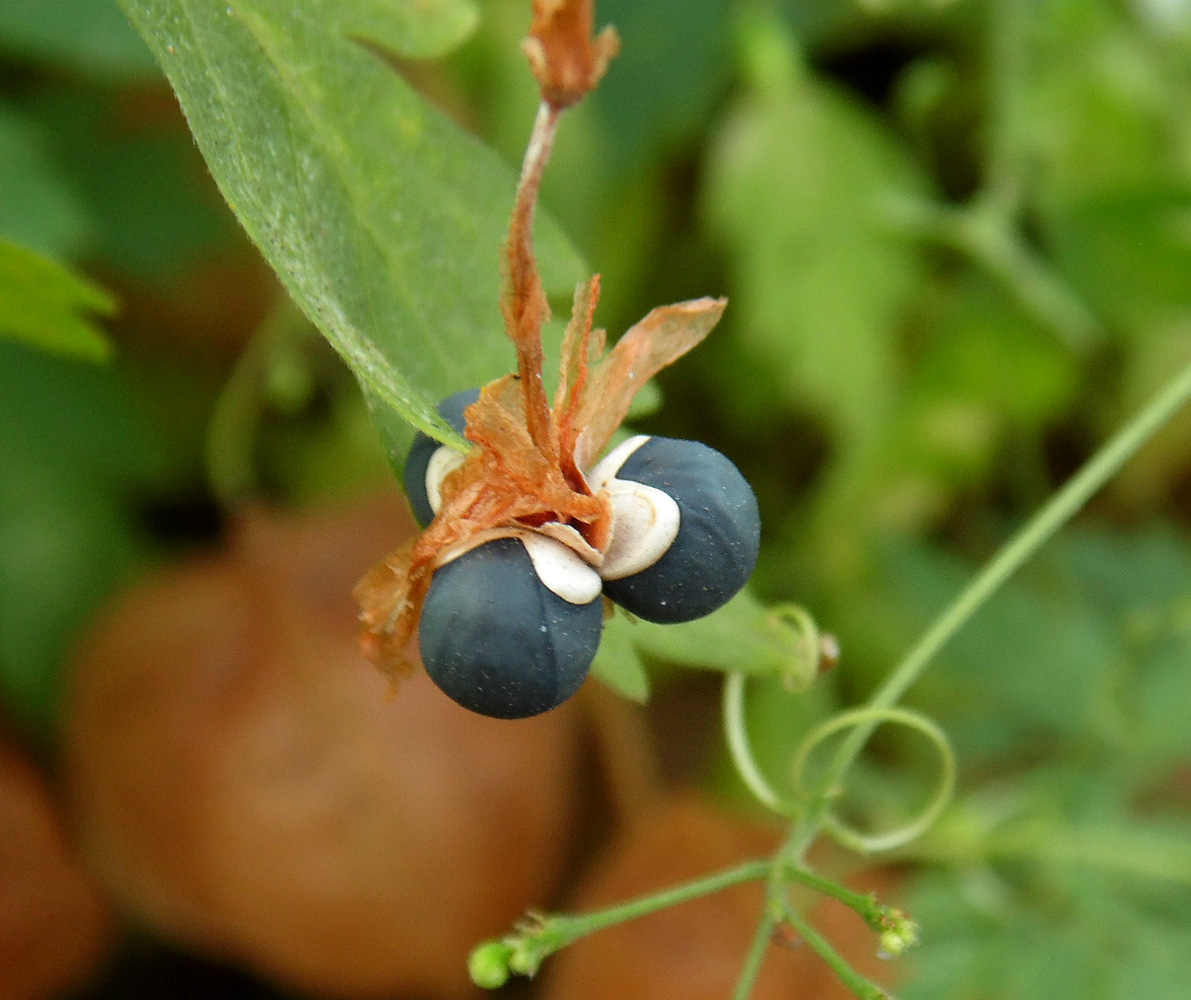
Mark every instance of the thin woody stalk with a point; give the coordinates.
(525, 307)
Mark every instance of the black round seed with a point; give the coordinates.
(719, 533)
(423, 449)
(499, 642)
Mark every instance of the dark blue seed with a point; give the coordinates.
(497, 641)
(420, 452)
(719, 533)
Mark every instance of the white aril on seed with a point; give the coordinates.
(561, 570)
(607, 467)
(645, 522)
(442, 463)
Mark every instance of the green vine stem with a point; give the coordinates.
(814, 648)
(898, 932)
(524, 951)
(1064, 505)
(756, 953)
(865, 989)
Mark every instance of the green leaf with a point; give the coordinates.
(617, 662)
(153, 211)
(383, 220)
(1052, 909)
(1089, 645)
(681, 70)
(1101, 102)
(38, 208)
(797, 184)
(1031, 660)
(47, 306)
(91, 35)
(952, 422)
(743, 636)
(75, 452)
(980, 332)
(1127, 250)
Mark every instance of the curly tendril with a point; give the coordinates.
(868, 843)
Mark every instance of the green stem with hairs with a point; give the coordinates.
(524, 950)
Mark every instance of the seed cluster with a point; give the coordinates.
(510, 627)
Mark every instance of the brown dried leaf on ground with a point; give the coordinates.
(55, 930)
(245, 787)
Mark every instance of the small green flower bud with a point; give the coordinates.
(488, 965)
(898, 932)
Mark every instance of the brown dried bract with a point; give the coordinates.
(658, 340)
(507, 485)
(564, 57)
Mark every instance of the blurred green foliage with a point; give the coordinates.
(47, 306)
(957, 242)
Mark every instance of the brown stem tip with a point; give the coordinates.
(562, 53)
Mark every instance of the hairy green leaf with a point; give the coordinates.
(47, 306)
(383, 219)
(1051, 909)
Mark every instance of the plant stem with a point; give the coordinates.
(587, 923)
(524, 302)
(872, 716)
(898, 932)
(1064, 505)
(864, 904)
(756, 954)
(853, 980)
(1006, 66)
(532, 945)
